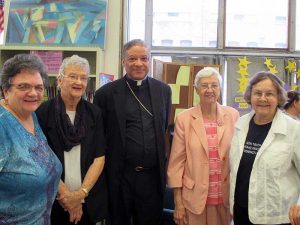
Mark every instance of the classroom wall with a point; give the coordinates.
(113, 38)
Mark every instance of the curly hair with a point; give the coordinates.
(18, 63)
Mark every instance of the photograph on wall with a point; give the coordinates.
(63, 22)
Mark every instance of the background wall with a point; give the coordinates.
(112, 52)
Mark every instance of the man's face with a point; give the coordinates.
(136, 62)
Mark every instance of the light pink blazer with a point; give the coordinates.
(188, 166)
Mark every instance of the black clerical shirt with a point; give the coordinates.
(140, 133)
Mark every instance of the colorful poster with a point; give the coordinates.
(60, 22)
(52, 59)
(105, 78)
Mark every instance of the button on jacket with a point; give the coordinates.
(274, 184)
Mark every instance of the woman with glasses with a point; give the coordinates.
(198, 169)
(74, 130)
(29, 170)
(265, 158)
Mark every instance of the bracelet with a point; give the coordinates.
(86, 192)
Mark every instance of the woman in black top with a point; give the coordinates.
(74, 131)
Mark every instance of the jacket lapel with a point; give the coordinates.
(198, 126)
(155, 96)
(220, 129)
(242, 127)
(220, 122)
(119, 99)
(278, 127)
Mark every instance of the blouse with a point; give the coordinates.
(29, 173)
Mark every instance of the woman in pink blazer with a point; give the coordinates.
(198, 169)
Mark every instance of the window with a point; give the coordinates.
(185, 43)
(256, 24)
(174, 14)
(136, 20)
(167, 42)
(252, 44)
(1, 38)
(298, 25)
(193, 19)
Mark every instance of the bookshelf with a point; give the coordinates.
(93, 54)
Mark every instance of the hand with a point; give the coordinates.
(76, 214)
(179, 215)
(69, 200)
(295, 215)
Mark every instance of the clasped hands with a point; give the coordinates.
(71, 201)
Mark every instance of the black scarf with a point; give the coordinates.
(70, 135)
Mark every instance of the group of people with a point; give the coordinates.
(68, 161)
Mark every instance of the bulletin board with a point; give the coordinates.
(180, 77)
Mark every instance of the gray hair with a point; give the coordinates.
(207, 72)
(263, 75)
(74, 60)
(132, 43)
(19, 62)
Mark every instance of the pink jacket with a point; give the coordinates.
(188, 166)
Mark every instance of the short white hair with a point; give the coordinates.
(74, 60)
(207, 72)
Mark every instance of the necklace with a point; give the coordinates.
(141, 104)
(27, 123)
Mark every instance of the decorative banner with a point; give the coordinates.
(298, 73)
(243, 80)
(292, 71)
(294, 87)
(240, 104)
(270, 66)
(291, 66)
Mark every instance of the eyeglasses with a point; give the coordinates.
(206, 86)
(75, 77)
(259, 94)
(28, 87)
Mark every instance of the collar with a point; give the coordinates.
(279, 123)
(136, 83)
(220, 114)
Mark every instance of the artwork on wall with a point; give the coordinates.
(63, 22)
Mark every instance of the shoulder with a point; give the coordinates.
(107, 88)
(292, 124)
(159, 83)
(229, 109)
(45, 107)
(187, 113)
(232, 112)
(244, 119)
(92, 108)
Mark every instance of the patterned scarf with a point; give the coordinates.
(70, 135)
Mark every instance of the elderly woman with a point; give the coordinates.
(292, 105)
(265, 158)
(198, 168)
(29, 170)
(74, 130)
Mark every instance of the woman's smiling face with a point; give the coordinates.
(264, 99)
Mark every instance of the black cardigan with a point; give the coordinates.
(92, 146)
